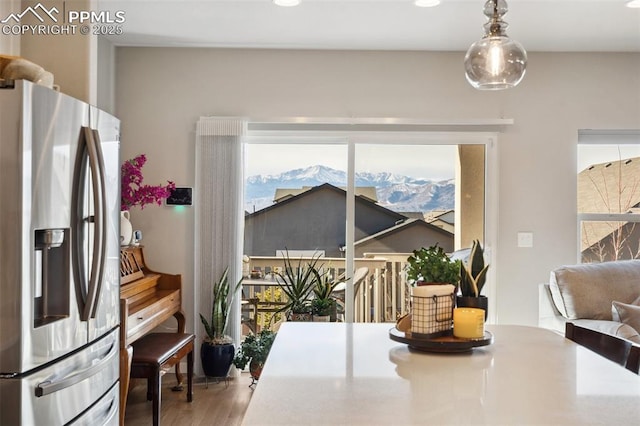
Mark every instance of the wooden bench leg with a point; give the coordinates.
(190, 376)
(150, 389)
(156, 396)
(126, 354)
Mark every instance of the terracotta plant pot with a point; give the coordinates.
(300, 317)
(255, 369)
(321, 318)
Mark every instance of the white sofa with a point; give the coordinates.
(583, 294)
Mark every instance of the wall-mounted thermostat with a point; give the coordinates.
(180, 196)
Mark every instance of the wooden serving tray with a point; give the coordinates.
(446, 344)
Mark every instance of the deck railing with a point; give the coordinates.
(381, 297)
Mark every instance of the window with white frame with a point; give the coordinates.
(608, 195)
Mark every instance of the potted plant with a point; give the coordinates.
(254, 350)
(323, 304)
(472, 279)
(434, 277)
(217, 350)
(432, 265)
(297, 283)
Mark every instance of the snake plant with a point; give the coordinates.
(474, 272)
(221, 305)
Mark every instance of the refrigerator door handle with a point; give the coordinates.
(79, 222)
(80, 374)
(88, 294)
(100, 239)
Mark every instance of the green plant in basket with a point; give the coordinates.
(432, 265)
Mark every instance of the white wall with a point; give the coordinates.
(82, 65)
(105, 75)
(9, 44)
(72, 58)
(161, 92)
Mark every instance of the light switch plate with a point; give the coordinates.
(525, 239)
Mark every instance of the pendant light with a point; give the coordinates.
(495, 62)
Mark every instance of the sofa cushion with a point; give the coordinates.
(626, 313)
(615, 315)
(617, 329)
(587, 290)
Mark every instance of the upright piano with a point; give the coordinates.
(147, 299)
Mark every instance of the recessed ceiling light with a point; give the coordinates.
(633, 3)
(287, 3)
(426, 3)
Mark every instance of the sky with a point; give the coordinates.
(435, 162)
(595, 154)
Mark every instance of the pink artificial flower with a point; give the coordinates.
(133, 192)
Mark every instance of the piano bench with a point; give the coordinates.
(156, 351)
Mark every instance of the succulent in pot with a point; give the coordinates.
(323, 304)
(321, 307)
(297, 282)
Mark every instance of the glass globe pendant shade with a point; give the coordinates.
(495, 63)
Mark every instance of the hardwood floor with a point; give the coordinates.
(218, 404)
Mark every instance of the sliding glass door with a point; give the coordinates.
(362, 203)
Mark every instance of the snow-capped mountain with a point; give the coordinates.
(396, 192)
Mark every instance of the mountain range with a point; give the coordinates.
(396, 192)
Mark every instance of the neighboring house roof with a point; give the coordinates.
(401, 226)
(282, 194)
(414, 215)
(611, 187)
(447, 216)
(444, 219)
(443, 225)
(325, 187)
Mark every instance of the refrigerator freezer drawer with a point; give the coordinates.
(104, 412)
(64, 390)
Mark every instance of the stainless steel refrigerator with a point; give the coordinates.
(59, 259)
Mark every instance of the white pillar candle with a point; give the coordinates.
(468, 323)
(429, 315)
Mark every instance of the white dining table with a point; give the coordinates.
(354, 374)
